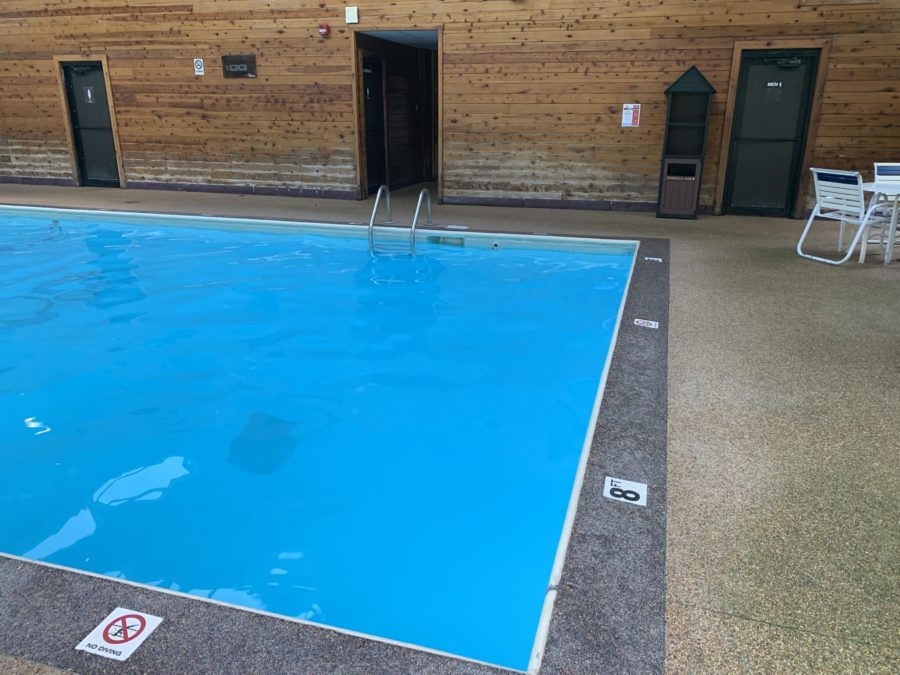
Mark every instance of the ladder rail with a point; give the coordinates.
(425, 195)
(383, 190)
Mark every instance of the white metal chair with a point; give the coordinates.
(885, 172)
(839, 196)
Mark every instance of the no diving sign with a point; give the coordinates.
(119, 634)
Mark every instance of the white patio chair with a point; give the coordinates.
(885, 172)
(839, 196)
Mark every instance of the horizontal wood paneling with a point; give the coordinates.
(531, 99)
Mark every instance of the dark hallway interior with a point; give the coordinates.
(398, 107)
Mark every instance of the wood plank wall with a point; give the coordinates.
(532, 89)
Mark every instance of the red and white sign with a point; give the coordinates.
(631, 114)
(119, 634)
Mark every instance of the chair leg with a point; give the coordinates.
(841, 238)
(862, 244)
(863, 227)
(809, 223)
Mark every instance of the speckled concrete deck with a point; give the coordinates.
(784, 382)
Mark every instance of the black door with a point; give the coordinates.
(771, 116)
(91, 125)
(373, 100)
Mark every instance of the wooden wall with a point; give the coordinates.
(531, 98)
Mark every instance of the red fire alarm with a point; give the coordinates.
(324, 29)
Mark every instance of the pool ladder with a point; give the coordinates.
(424, 196)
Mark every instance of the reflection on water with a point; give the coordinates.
(35, 235)
(398, 298)
(116, 284)
(143, 484)
(35, 423)
(78, 527)
(25, 310)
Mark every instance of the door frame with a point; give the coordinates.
(359, 108)
(58, 63)
(824, 47)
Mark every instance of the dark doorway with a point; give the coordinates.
(376, 139)
(398, 110)
(771, 118)
(92, 133)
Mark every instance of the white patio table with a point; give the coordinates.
(890, 190)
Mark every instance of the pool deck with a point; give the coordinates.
(780, 546)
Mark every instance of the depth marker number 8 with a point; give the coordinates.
(630, 495)
(626, 491)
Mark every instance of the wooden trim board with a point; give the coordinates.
(356, 68)
(439, 83)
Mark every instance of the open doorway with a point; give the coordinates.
(398, 104)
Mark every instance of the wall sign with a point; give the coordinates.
(631, 115)
(198, 67)
(239, 65)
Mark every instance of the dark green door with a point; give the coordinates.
(771, 116)
(95, 148)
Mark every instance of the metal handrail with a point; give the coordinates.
(426, 195)
(390, 219)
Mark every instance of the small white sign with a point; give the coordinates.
(625, 491)
(119, 634)
(651, 259)
(646, 323)
(351, 14)
(631, 115)
(198, 67)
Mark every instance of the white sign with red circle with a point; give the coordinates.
(119, 634)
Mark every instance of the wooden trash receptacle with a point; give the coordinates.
(680, 187)
(687, 120)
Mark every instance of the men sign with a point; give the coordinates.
(119, 634)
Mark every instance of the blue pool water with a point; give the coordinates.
(384, 444)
